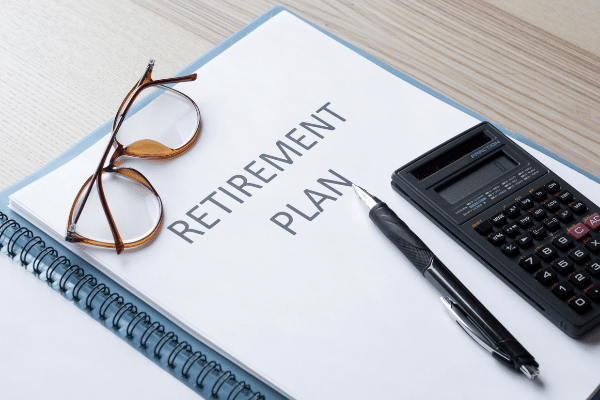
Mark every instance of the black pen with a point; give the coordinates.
(467, 311)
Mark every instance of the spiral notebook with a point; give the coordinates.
(293, 286)
(107, 368)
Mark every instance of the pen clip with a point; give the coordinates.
(473, 331)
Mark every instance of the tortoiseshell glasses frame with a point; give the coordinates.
(147, 149)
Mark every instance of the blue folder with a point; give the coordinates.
(192, 362)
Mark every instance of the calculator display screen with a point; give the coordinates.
(450, 156)
(475, 178)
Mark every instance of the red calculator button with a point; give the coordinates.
(579, 231)
(593, 222)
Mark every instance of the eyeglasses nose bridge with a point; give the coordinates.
(118, 152)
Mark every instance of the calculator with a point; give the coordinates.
(526, 224)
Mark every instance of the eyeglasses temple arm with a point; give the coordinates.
(187, 78)
(98, 172)
(111, 222)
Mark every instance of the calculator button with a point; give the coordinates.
(593, 245)
(511, 230)
(539, 194)
(526, 203)
(538, 232)
(552, 187)
(563, 290)
(530, 263)
(580, 279)
(563, 242)
(565, 215)
(538, 213)
(552, 205)
(563, 265)
(565, 197)
(484, 228)
(510, 249)
(513, 211)
(593, 222)
(497, 238)
(525, 221)
(578, 231)
(546, 276)
(498, 219)
(547, 252)
(552, 224)
(578, 208)
(593, 268)
(594, 293)
(579, 255)
(580, 304)
(524, 241)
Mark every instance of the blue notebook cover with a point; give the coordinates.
(164, 343)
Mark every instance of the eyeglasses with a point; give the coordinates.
(125, 198)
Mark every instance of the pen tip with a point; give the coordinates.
(362, 194)
(357, 189)
(530, 371)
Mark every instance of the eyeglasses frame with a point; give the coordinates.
(146, 149)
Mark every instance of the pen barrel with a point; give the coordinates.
(449, 285)
(401, 236)
(517, 353)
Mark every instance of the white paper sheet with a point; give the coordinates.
(333, 311)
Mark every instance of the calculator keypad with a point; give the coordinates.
(552, 205)
(578, 231)
(513, 211)
(539, 194)
(525, 241)
(563, 242)
(593, 222)
(511, 230)
(538, 213)
(525, 221)
(538, 232)
(593, 245)
(563, 290)
(594, 293)
(580, 304)
(564, 215)
(565, 197)
(552, 187)
(564, 266)
(526, 203)
(553, 236)
(552, 224)
(578, 207)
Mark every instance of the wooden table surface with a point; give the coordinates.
(533, 66)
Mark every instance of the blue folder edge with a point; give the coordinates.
(105, 128)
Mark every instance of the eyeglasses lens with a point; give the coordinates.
(134, 208)
(170, 119)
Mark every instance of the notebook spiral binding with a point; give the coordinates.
(111, 310)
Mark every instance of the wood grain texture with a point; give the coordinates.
(575, 21)
(65, 67)
(521, 70)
